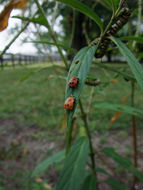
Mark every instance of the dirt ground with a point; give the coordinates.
(20, 152)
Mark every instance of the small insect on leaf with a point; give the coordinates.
(73, 82)
(5, 14)
(69, 103)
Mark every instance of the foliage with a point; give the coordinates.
(75, 175)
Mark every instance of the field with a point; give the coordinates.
(32, 120)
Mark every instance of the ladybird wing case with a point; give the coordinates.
(69, 103)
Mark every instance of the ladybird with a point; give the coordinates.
(69, 103)
(73, 82)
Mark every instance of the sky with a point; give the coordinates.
(17, 46)
(6, 36)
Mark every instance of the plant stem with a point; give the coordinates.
(114, 16)
(52, 34)
(139, 22)
(13, 40)
(134, 132)
(89, 137)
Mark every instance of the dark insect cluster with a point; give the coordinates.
(121, 21)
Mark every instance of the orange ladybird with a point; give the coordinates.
(69, 103)
(73, 82)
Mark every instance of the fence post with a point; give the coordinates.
(12, 60)
(1, 61)
(19, 59)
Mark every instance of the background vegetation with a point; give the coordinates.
(97, 145)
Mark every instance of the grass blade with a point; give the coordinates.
(116, 184)
(124, 162)
(118, 107)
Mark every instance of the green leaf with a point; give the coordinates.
(90, 183)
(27, 76)
(116, 184)
(109, 3)
(100, 170)
(39, 20)
(118, 107)
(113, 4)
(58, 157)
(116, 3)
(122, 73)
(51, 43)
(124, 162)
(132, 38)
(80, 70)
(131, 60)
(83, 9)
(73, 172)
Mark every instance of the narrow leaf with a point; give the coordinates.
(122, 73)
(79, 68)
(132, 38)
(131, 60)
(51, 43)
(90, 183)
(39, 20)
(116, 3)
(83, 9)
(112, 4)
(124, 162)
(27, 76)
(118, 107)
(116, 184)
(73, 172)
(58, 157)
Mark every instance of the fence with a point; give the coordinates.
(9, 59)
(20, 59)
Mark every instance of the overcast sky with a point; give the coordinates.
(17, 46)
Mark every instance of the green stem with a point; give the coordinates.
(114, 16)
(52, 34)
(134, 131)
(89, 137)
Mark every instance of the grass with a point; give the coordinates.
(34, 96)
(38, 99)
